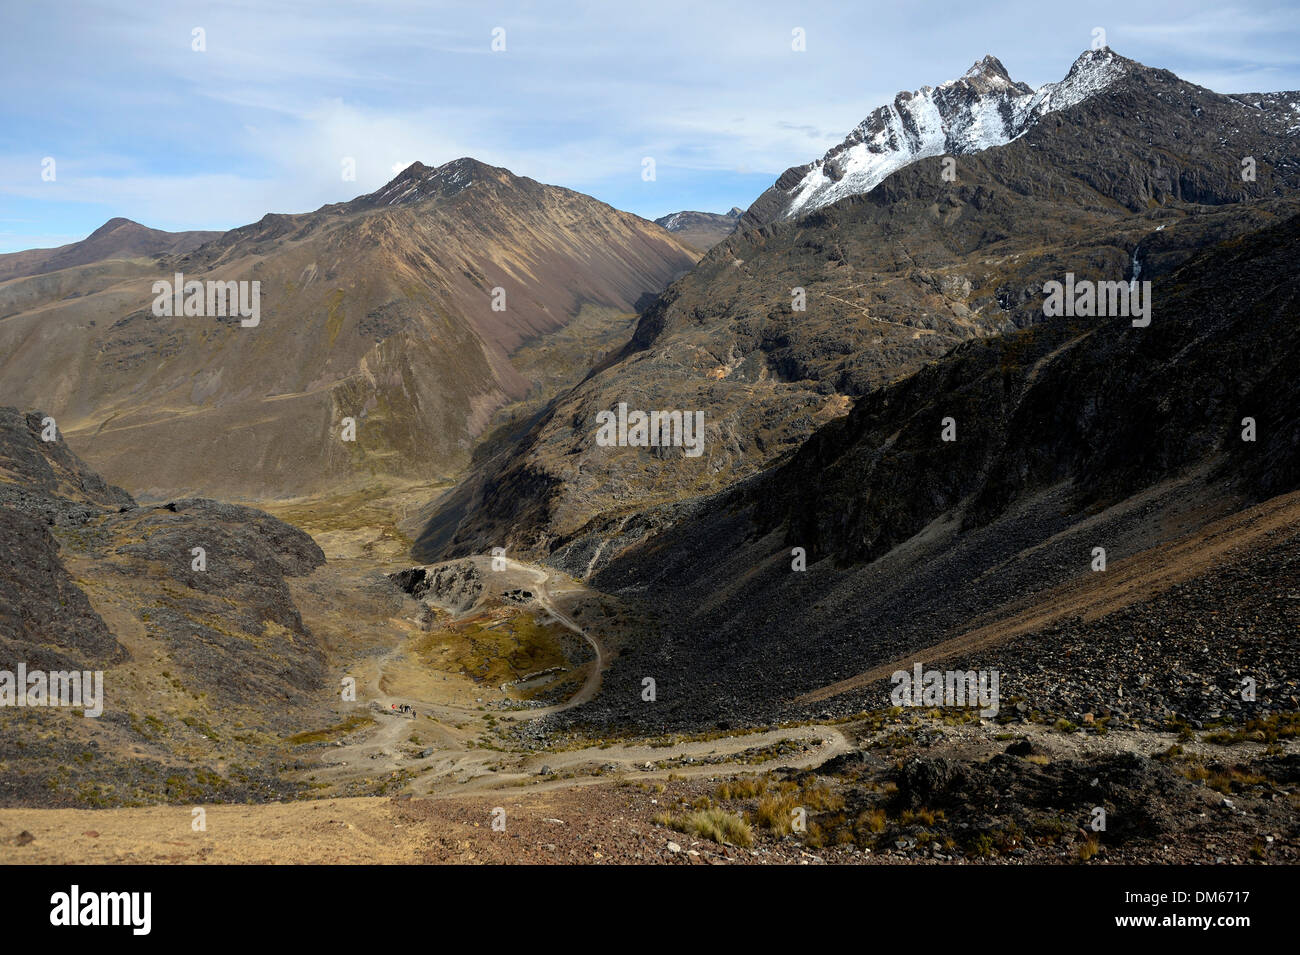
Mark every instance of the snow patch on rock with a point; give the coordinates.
(981, 109)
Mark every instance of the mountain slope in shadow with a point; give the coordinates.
(1069, 437)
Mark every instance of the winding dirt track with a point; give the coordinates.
(591, 687)
(459, 764)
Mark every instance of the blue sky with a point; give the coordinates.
(141, 125)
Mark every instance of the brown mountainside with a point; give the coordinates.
(380, 310)
(116, 239)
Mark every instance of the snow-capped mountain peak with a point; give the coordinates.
(982, 108)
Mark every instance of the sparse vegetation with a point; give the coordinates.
(1088, 848)
(716, 824)
(330, 733)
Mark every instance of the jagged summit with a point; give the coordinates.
(418, 181)
(982, 108)
(986, 75)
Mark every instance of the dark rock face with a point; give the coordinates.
(1023, 747)
(46, 480)
(1109, 407)
(219, 624)
(929, 781)
(1134, 790)
(216, 621)
(45, 618)
(413, 581)
(457, 585)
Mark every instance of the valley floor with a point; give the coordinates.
(894, 785)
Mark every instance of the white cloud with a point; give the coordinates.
(263, 120)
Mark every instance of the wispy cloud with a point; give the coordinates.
(144, 126)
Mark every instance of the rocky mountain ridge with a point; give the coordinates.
(703, 230)
(982, 109)
(118, 238)
(782, 328)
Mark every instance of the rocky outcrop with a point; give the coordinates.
(46, 621)
(215, 614)
(455, 586)
(188, 609)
